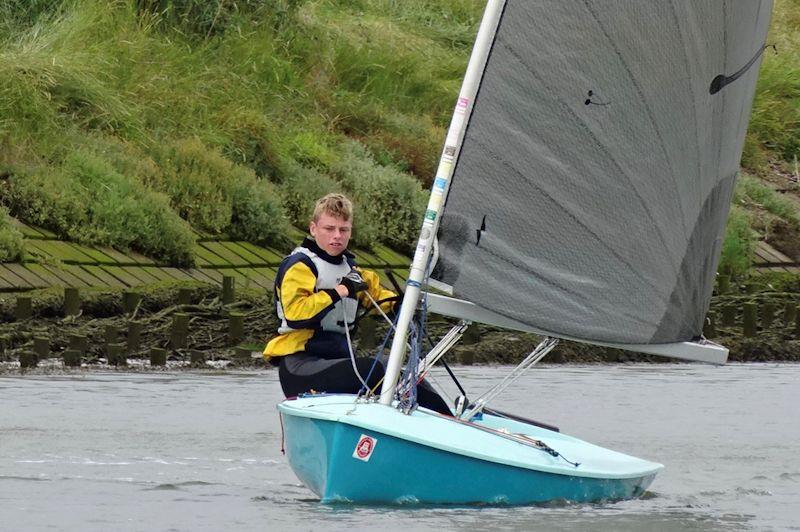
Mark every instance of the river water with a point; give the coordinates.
(201, 451)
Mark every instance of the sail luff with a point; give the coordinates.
(441, 186)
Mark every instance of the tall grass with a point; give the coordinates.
(775, 119)
(738, 248)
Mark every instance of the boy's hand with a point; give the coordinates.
(353, 282)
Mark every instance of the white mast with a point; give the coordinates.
(455, 136)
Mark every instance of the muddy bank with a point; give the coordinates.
(207, 341)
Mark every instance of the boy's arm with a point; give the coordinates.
(378, 293)
(302, 307)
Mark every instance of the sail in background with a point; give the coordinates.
(592, 188)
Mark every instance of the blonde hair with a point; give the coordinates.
(336, 205)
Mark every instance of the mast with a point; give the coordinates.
(455, 135)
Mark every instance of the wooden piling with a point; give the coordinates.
(116, 354)
(180, 330)
(789, 314)
(710, 326)
(24, 308)
(28, 359)
(79, 342)
(472, 335)
(767, 315)
(242, 355)
(184, 296)
(797, 321)
(228, 289)
(750, 320)
(197, 358)
(134, 335)
(466, 357)
(130, 300)
(41, 346)
(723, 284)
(72, 358)
(158, 357)
(235, 328)
(728, 316)
(112, 334)
(72, 301)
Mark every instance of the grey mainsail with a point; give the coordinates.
(591, 191)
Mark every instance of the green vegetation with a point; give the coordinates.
(11, 246)
(774, 132)
(229, 115)
(739, 245)
(128, 122)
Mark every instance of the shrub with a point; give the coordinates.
(216, 195)
(11, 244)
(300, 188)
(87, 200)
(391, 202)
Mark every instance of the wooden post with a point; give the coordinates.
(116, 354)
(134, 335)
(184, 296)
(79, 342)
(767, 315)
(467, 357)
(750, 320)
(72, 358)
(729, 315)
(130, 300)
(197, 358)
(112, 334)
(24, 309)
(180, 330)
(789, 314)
(241, 355)
(723, 284)
(472, 335)
(228, 289)
(158, 357)
(5, 341)
(41, 346)
(710, 326)
(797, 321)
(235, 328)
(72, 301)
(28, 359)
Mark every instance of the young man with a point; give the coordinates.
(318, 290)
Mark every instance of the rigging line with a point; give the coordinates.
(523, 439)
(350, 349)
(649, 110)
(599, 145)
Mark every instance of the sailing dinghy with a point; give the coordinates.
(587, 172)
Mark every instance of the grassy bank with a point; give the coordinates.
(221, 116)
(130, 123)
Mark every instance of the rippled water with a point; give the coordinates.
(196, 451)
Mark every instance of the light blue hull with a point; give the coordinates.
(425, 458)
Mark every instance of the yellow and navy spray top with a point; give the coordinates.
(311, 312)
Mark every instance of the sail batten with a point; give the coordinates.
(592, 186)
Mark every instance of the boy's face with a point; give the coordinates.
(331, 233)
